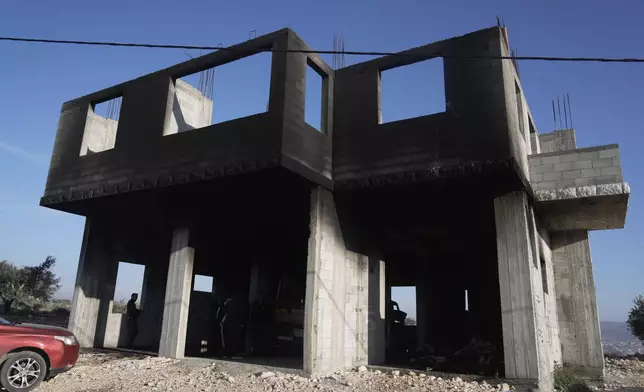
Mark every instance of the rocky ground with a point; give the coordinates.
(624, 374)
(102, 372)
(115, 371)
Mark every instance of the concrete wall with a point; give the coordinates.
(475, 116)
(576, 168)
(94, 288)
(143, 158)
(577, 302)
(99, 134)
(550, 294)
(190, 109)
(564, 139)
(527, 350)
(336, 321)
(377, 311)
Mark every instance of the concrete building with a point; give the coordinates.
(471, 201)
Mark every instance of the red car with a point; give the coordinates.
(30, 353)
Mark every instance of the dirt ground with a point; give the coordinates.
(103, 371)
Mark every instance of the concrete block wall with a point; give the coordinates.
(149, 151)
(336, 330)
(190, 109)
(560, 140)
(475, 114)
(576, 168)
(99, 134)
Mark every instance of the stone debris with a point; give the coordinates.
(113, 373)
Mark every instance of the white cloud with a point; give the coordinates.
(22, 153)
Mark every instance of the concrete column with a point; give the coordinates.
(152, 303)
(94, 287)
(377, 304)
(177, 296)
(336, 315)
(580, 335)
(423, 304)
(521, 309)
(106, 301)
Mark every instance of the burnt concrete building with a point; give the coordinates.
(470, 201)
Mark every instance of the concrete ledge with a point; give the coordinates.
(596, 207)
(582, 191)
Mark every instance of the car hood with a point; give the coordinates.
(42, 329)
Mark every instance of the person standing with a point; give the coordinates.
(132, 314)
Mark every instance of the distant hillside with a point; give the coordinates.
(618, 340)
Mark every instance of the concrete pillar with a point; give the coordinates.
(336, 315)
(522, 306)
(94, 288)
(106, 301)
(177, 296)
(152, 303)
(423, 304)
(580, 335)
(377, 304)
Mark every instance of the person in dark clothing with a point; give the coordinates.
(232, 326)
(132, 314)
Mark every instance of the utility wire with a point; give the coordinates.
(353, 53)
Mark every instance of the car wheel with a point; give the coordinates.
(22, 371)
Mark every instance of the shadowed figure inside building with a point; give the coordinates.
(132, 313)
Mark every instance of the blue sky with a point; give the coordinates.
(36, 79)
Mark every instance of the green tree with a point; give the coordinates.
(636, 318)
(27, 284)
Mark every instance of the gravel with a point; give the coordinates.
(103, 372)
(107, 372)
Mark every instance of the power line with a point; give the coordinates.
(353, 53)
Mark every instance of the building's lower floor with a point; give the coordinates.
(301, 273)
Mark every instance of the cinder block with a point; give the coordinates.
(612, 170)
(551, 159)
(582, 165)
(586, 173)
(604, 162)
(543, 169)
(564, 166)
(566, 183)
(547, 185)
(569, 157)
(612, 153)
(584, 181)
(534, 161)
(556, 176)
(536, 177)
(617, 161)
(588, 156)
(571, 174)
(607, 180)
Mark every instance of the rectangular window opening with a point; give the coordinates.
(314, 99)
(544, 276)
(404, 304)
(101, 126)
(413, 90)
(218, 94)
(203, 283)
(129, 280)
(467, 301)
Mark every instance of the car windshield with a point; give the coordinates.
(4, 322)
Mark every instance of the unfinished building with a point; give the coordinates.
(319, 224)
